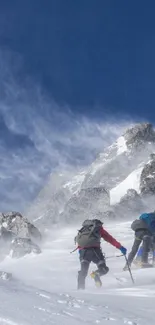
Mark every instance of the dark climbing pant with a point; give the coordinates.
(87, 256)
(146, 238)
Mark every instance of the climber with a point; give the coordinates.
(144, 229)
(138, 260)
(88, 241)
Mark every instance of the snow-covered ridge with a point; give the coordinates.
(116, 149)
(131, 182)
(127, 164)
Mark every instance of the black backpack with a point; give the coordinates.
(89, 234)
(139, 225)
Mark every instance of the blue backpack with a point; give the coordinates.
(149, 219)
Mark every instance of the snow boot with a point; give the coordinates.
(146, 265)
(137, 262)
(94, 275)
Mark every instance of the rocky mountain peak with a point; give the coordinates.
(139, 133)
(147, 182)
(124, 171)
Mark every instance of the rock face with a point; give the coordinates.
(140, 134)
(130, 196)
(14, 229)
(86, 194)
(131, 204)
(121, 158)
(147, 181)
(23, 246)
(86, 203)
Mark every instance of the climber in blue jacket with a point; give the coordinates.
(138, 260)
(144, 229)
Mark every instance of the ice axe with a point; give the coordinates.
(129, 269)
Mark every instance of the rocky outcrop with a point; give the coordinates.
(19, 226)
(86, 203)
(76, 197)
(22, 246)
(130, 196)
(14, 229)
(147, 181)
(139, 134)
(130, 205)
(122, 157)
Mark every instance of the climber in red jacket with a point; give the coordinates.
(88, 240)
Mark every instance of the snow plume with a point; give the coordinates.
(38, 136)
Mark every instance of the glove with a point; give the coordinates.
(123, 250)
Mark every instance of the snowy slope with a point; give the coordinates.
(44, 291)
(131, 182)
(116, 149)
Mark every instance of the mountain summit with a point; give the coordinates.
(119, 183)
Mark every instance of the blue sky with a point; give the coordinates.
(73, 75)
(96, 56)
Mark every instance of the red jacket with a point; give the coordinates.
(107, 237)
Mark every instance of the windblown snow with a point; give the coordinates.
(43, 289)
(116, 149)
(75, 183)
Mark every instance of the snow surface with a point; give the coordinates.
(43, 290)
(121, 144)
(132, 181)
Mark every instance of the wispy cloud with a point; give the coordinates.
(60, 138)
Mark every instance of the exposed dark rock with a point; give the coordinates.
(122, 157)
(130, 204)
(19, 226)
(17, 231)
(147, 181)
(131, 195)
(23, 246)
(139, 134)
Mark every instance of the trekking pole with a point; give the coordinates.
(129, 269)
(74, 250)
